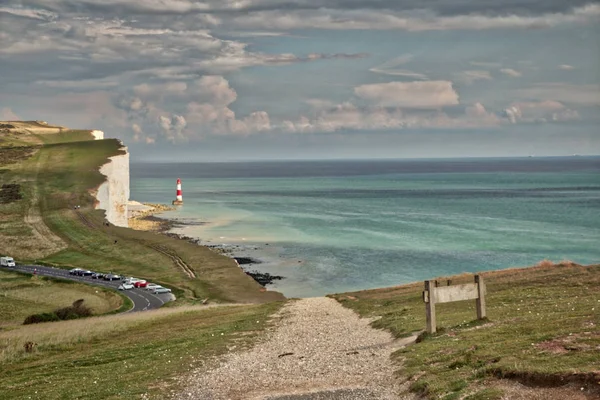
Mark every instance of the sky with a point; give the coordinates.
(224, 80)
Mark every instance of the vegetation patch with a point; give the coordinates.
(10, 192)
(76, 310)
(532, 312)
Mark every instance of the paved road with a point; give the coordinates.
(142, 299)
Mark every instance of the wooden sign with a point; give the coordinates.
(447, 294)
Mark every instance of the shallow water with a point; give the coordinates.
(333, 226)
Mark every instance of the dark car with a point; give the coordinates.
(74, 271)
(111, 277)
(87, 273)
(97, 275)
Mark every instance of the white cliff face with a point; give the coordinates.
(98, 135)
(113, 194)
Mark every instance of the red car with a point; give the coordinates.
(140, 284)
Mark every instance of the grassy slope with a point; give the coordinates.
(22, 295)
(543, 327)
(122, 355)
(60, 175)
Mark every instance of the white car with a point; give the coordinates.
(152, 286)
(126, 286)
(161, 290)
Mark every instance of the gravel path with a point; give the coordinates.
(318, 351)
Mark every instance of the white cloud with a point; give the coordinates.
(390, 68)
(511, 72)
(540, 111)
(172, 127)
(421, 20)
(469, 77)
(566, 67)
(585, 95)
(43, 15)
(431, 94)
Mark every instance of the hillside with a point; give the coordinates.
(45, 171)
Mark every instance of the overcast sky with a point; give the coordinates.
(255, 79)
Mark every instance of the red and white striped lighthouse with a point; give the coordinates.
(179, 198)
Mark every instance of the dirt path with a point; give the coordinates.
(176, 260)
(319, 350)
(46, 242)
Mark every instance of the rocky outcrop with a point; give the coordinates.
(113, 194)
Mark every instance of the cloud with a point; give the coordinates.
(390, 68)
(172, 127)
(431, 94)
(584, 95)
(348, 116)
(566, 67)
(540, 111)
(409, 18)
(469, 77)
(43, 15)
(511, 72)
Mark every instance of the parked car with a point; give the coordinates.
(7, 262)
(97, 275)
(74, 271)
(140, 284)
(125, 286)
(87, 273)
(111, 277)
(133, 280)
(161, 290)
(152, 286)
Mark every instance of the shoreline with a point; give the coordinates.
(144, 218)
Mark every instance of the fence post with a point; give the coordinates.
(480, 301)
(430, 306)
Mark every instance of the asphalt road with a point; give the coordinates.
(142, 299)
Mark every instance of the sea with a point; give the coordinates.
(346, 225)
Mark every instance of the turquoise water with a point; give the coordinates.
(339, 226)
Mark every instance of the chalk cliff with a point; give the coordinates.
(98, 135)
(113, 194)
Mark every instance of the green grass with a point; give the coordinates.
(542, 325)
(66, 136)
(22, 295)
(124, 355)
(61, 175)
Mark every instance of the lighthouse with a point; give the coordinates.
(179, 198)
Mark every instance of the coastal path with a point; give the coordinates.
(316, 350)
(142, 299)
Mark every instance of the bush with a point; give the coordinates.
(77, 310)
(44, 317)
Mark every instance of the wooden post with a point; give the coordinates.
(430, 305)
(480, 300)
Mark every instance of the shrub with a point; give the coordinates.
(44, 317)
(77, 310)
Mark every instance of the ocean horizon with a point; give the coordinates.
(330, 226)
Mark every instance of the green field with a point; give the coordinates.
(542, 329)
(43, 227)
(22, 295)
(124, 355)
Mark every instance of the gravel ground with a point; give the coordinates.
(319, 350)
